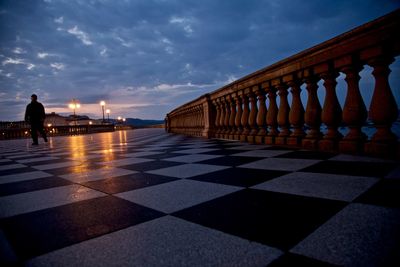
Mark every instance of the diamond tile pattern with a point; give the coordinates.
(149, 198)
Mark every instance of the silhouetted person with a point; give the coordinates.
(35, 116)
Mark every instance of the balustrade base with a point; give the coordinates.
(351, 146)
(294, 140)
(309, 143)
(328, 145)
(243, 138)
(269, 140)
(236, 137)
(251, 139)
(385, 150)
(280, 140)
(259, 139)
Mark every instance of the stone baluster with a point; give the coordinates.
(227, 116)
(238, 124)
(222, 119)
(383, 110)
(252, 117)
(245, 118)
(312, 116)
(261, 117)
(354, 112)
(232, 118)
(217, 116)
(272, 116)
(283, 114)
(296, 114)
(331, 112)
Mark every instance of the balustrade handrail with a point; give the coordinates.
(226, 111)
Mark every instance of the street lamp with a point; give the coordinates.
(74, 105)
(102, 104)
(108, 114)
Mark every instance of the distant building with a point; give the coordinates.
(52, 119)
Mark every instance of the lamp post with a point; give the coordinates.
(108, 115)
(102, 104)
(74, 105)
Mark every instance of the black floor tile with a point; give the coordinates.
(151, 165)
(275, 219)
(229, 160)
(239, 176)
(300, 154)
(127, 183)
(8, 162)
(84, 167)
(163, 156)
(280, 148)
(384, 193)
(352, 168)
(36, 233)
(37, 163)
(18, 170)
(31, 185)
(290, 259)
(225, 152)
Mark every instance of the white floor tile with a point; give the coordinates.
(38, 200)
(167, 241)
(359, 235)
(99, 174)
(190, 158)
(123, 162)
(177, 195)
(188, 170)
(280, 164)
(321, 185)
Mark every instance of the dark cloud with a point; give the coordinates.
(146, 57)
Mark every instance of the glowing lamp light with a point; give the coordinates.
(119, 118)
(49, 125)
(108, 111)
(90, 122)
(102, 103)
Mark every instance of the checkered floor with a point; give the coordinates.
(147, 198)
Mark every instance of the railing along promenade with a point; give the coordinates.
(248, 110)
(14, 133)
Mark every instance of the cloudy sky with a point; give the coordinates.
(146, 57)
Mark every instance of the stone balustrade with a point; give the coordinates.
(256, 108)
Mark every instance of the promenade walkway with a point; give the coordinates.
(149, 198)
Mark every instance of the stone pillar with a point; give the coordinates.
(217, 116)
(222, 118)
(283, 115)
(261, 117)
(252, 117)
(296, 114)
(272, 116)
(383, 110)
(206, 117)
(331, 113)
(245, 118)
(227, 115)
(238, 123)
(312, 116)
(354, 112)
(232, 118)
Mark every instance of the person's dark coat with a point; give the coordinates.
(35, 113)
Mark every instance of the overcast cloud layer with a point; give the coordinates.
(145, 58)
